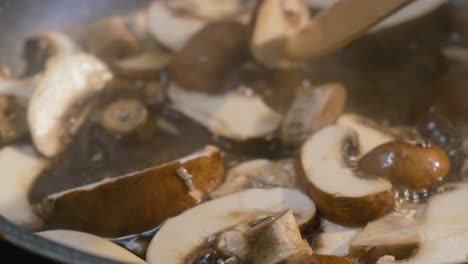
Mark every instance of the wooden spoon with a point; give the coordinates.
(338, 25)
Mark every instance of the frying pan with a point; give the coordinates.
(18, 20)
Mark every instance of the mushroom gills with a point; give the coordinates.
(258, 173)
(326, 159)
(91, 244)
(131, 203)
(233, 115)
(444, 229)
(20, 168)
(194, 226)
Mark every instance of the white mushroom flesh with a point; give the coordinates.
(56, 109)
(234, 115)
(181, 235)
(20, 168)
(91, 244)
(335, 239)
(322, 160)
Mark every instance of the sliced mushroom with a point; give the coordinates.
(91, 244)
(194, 226)
(209, 56)
(444, 229)
(340, 194)
(258, 173)
(334, 239)
(395, 234)
(145, 65)
(139, 26)
(370, 134)
(234, 115)
(39, 48)
(413, 166)
(60, 103)
(279, 242)
(110, 38)
(276, 21)
(319, 259)
(20, 168)
(311, 110)
(124, 117)
(137, 201)
(174, 22)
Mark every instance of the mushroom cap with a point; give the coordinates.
(91, 244)
(181, 235)
(57, 106)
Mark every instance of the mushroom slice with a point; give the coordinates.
(311, 110)
(370, 134)
(279, 242)
(408, 13)
(91, 244)
(193, 227)
(319, 259)
(13, 124)
(110, 38)
(444, 229)
(395, 234)
(276, 21)
(137, 201)
(341, 195)
(39, 48)
(335, 239)
(145, 65)
(20, 167)
(234, 115)
(174, 22)
(258, 173)
(59, 105)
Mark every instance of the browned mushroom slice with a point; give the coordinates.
(43, 46)
(174, 22)
(319, 259)
(207, 58)
(145, 65)
(20, 168)
(395, 234)
(137, 201)
(340, 194)
(258, 173)
(110, 38)
(59, 104)
(444, 229)
(193, 227)
(235, 115)
(334, 239)
(279, 242)
(276, 21)
(312, 109)
(91, 244)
